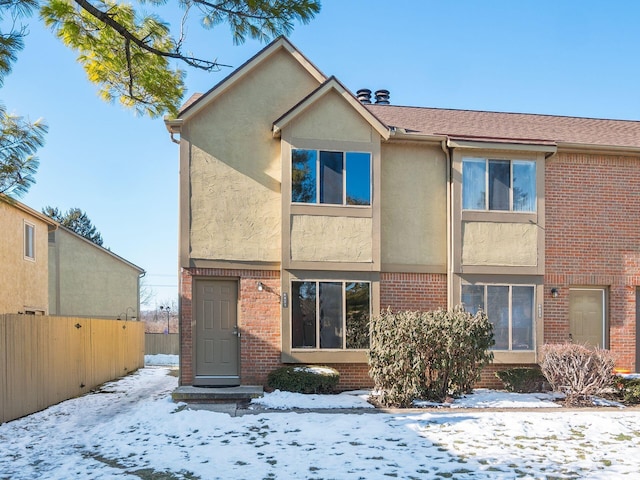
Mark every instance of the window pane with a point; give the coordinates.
(499, 184)
(358, 170)
(358, 315)
(524, 186)
(473, 184)
(303, 176)
(473, 298)
(330, 315)
(331, 183)
(498, 313)
(303, 314)
(28, 241)
(522, 318)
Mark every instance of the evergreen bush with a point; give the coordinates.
(429, 355)
(523, 379)
(304, 379)
(628, 389)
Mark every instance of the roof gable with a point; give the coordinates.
(199, 101)
(100, 248)
(331, 85)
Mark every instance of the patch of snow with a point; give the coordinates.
(132, 429)
(484, 398)
(278, 400)
(316, 370)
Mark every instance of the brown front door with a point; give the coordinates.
(586, 317)
(217, 345)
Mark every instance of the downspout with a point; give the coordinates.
(140, 277)
(56, 261)
(447, 154)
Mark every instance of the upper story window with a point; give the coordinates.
(330, 315)
(505, 185)
(327, 177)
(29, 241)
(510, 308)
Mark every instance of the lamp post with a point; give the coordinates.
(167, 309)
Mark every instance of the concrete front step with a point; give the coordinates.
(240, 394)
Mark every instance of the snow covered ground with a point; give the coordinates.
(132, 430)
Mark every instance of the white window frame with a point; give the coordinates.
(32, 239)
(317, 315)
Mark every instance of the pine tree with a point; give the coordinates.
(76, 220)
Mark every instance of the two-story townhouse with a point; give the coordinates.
(24, 258)
(48, 269)
(304, 210)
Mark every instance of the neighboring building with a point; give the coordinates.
(303, 210)
(48, 269)
(87, 280)
(23, 258)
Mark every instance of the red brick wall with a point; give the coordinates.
(258, 322)
(593, 239)
(413, 291)
(259, 319)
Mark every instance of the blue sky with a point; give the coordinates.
(571, 57)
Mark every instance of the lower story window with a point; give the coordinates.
(510, 308)
(330, 315)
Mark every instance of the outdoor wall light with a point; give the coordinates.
(555, 293)
(260, 286)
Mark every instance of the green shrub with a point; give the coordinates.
(577, 371)
(428, 355)
(523, 380)
(628, 389)
(304, 379)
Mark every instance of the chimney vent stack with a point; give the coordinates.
(382, 97)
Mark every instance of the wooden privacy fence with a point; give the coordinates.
(155, 343)
(45, 360)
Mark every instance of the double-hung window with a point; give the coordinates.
(29, 241)
(330, 315)
(328, 177)
(510, 308)
(503, 185)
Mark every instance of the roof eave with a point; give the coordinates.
(571, 147)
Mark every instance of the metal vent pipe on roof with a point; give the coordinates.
(382, 97)
(364, 95)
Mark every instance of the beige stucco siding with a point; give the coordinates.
(414, 205)
(23, 282)
(332, 118)
(503, 244)
(330, 239)
(235, 168)
(86, 280)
